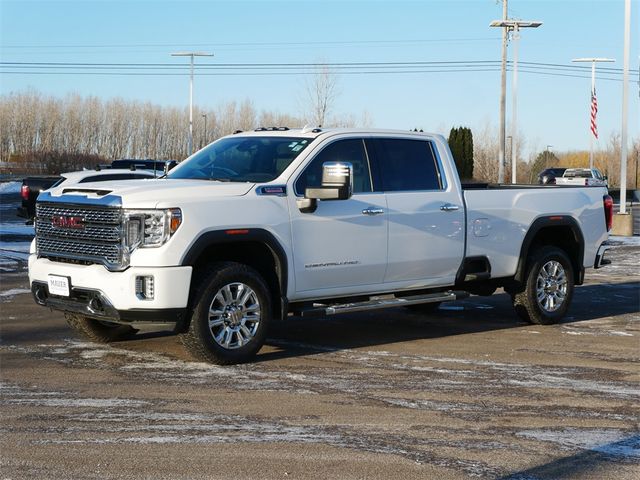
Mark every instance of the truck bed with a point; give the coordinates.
(499, 217)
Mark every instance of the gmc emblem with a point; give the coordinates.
(61, 221)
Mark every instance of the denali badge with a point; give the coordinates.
(61, 221)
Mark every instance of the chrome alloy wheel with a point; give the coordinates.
(551, 286)
(234, 315)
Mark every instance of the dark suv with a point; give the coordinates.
(548, 175)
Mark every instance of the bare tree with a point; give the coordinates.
(322, 92)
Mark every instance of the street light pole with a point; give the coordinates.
(593, 61)
(191, 55)
(625, 107)
(513, 26)
(514, 104)
(503, 94)
(204, 115)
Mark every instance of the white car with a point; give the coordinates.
(587, 177)
(261, 224)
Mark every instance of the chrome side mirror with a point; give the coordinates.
(337, 184)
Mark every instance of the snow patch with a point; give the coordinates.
(626, 241)
(612, 442)
(13, 292)
(10, 187)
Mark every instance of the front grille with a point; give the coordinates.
(95, 237)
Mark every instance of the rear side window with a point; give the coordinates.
(351, 151)
(407, 165)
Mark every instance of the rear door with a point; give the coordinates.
(425, 211)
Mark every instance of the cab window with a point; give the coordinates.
(352, 151)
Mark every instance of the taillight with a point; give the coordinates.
(24, 192)
(608, 211)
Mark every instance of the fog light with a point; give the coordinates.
(145, 288)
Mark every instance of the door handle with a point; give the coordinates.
(448, 207)
(372, 211)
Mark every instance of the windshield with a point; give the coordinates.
(242, 159)
(578, 173)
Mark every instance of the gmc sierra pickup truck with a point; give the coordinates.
(278, 221)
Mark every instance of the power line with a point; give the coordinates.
(293, 73)
(292, 65)
(255, 44)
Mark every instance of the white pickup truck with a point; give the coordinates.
(277, 221)
(587, 177)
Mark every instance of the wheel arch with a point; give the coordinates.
(560, 231)
(256, 248)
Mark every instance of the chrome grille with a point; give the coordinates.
(78, 250)
(91, 215)
(97, 239)
(108, 234)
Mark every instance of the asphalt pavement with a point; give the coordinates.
(469, 391)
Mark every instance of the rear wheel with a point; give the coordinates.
(97, 330)
(231, 315)
(548, 289)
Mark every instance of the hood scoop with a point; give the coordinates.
(87, 191)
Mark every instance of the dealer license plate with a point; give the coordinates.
(58, 285)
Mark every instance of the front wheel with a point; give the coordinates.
(548, 288)
(232, 309)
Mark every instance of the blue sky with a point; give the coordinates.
(552, 110)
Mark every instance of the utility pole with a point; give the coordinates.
(593, 61)
(191, 55)
(625, 107)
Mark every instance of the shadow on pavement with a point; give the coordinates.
(594, 463)
(300, 337)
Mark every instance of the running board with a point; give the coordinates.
(379, 302)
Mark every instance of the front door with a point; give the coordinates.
(341, 247)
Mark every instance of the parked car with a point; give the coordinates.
(548, 175)
(32, 186)
(583, 176)
(312, 222)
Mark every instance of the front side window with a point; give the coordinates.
(407, 165)
(242, 159)
(351, 151)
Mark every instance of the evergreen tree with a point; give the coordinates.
(461, 145)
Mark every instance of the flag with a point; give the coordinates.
(594, 112)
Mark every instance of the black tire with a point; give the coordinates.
(97, 330)
(548, 289)
(424, 307)
(220, 316)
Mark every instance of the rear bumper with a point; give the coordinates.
(22, 212)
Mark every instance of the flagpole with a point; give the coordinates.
(593, 92)
(592, 127)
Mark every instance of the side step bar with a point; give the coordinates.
(377, 303)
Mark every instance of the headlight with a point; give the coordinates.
(150, 228)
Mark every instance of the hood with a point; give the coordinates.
(151, 193)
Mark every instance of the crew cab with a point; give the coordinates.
(582, 176)
(263, 224)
